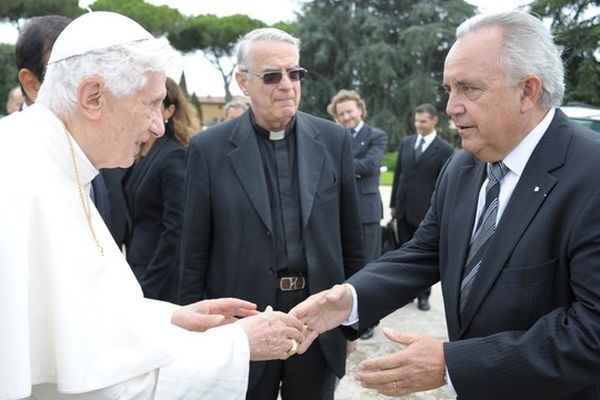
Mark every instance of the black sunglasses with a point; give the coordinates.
(274, 77)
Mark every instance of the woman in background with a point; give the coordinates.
(154, 190)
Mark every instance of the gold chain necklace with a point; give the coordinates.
(85, 200)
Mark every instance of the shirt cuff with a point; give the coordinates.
(353, 317)
(449, 383)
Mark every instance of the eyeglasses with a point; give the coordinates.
(274, 77)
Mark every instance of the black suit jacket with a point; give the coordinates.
(414, 181)
(531, 327)
(119, 222)
(227, 245)
(154, 190)
(367, 151)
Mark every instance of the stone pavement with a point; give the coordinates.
(408, 319)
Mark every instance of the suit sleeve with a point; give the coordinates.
(558, 355)
(196, 228)
(164, 259)
(398, 276)
(351, 230)
(370, 163)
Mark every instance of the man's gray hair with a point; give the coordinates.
(528, 48)
(263, 34)
(121, 68)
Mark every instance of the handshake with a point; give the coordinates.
(272, 335)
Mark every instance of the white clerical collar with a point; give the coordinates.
(279, 135)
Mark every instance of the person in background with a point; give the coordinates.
(75, 322)
(234, 109)
(511, 233)
(14, 101)
(154, 190)
(368, 147)
(32, 50)
(420, 161)
(271, 211)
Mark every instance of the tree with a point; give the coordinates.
(576, 26)
(390, 51)
(15, 10)
(159, 20)
(216, 37)
(8, 73)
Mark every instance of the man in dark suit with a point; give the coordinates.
(420, 160)
(512, 234)
(368, 146)
(271, 211)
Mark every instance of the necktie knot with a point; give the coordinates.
(496, 171)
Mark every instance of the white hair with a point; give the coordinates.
(244, 44)
(528, 48)
(121, 68)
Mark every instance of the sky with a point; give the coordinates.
(201, 77)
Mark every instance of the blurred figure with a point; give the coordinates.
(420, 161)
(14, 101)
(32, 50)
(154, 190)
(368, 147)
(234, 109)
(271, 211)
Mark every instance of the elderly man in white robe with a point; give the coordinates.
(74, 322)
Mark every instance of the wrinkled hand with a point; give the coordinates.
(271, 334)
(419, 366)
(323, 311)
(207, 314)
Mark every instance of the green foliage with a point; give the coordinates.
(14, 10)
(576, 26)
(8, 73)
(389, 160)
(216, 37)
(386, 178)
(157, 19)
(390, 51)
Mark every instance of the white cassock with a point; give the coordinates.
(74, 323)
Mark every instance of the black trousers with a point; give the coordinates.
(300, 377)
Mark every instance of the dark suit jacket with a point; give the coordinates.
(227, 245)
(367, 151)
(414, 181)
(531, 327)
(120, 222)
(154, 190)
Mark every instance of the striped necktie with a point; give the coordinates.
(484, 231)
(419, 148)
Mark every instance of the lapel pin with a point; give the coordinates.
(536, 189)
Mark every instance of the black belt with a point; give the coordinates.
(288, 283)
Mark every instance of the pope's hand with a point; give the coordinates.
(418, 366)
(207, 314)
(272, 335)
(323, 311)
